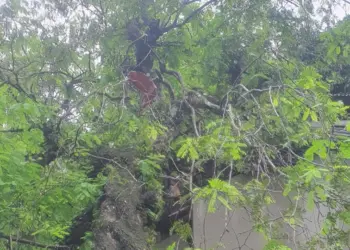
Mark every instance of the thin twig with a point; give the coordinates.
(175, 24)
(193, 118)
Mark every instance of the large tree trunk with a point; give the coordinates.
(119, 225)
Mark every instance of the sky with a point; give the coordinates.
(341, 10)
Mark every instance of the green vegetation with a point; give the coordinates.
(239, 84)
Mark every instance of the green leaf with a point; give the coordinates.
(313, 116)
(347, 127)
(224, 202)
(275, 245)
(212, 202)
(321, 193)
(325, 227)
(287, 189)
(275, 102)
(188, 150)
(306, 114)
(345, 217)
(330, 53)
(311, 174)
(39, 231)
(172, 246)
(344, 149)
(310, 201)
(338, 50)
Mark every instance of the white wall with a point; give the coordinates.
(209, 229)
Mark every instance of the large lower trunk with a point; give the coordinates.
(119, 225)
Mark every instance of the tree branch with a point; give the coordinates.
(12, 131)
(32, 243)
(194, 120)
(187, 2)
(175, 24)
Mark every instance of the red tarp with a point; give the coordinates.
(145, 85)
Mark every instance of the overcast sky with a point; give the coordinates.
(340, 10)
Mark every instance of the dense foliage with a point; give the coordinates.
(239, 85)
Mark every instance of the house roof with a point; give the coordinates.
(339, 128)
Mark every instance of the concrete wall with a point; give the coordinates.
(234, 230)
(210, 230)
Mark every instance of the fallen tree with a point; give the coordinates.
(112, 126)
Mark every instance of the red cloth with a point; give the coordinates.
(145, 85)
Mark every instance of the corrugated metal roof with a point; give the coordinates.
(338, 128)
(341, 94)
